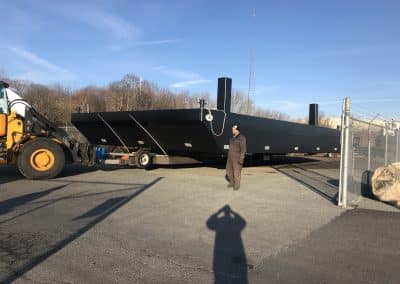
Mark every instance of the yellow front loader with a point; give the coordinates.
(27, 139)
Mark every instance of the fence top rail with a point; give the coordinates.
(366, 122)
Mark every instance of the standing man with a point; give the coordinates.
(236, 154)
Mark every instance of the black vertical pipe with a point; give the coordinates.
(313, 115)
(224, 94)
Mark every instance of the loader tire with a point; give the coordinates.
(41, 158)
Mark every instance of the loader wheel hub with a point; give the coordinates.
(144, 159)
(42, 160)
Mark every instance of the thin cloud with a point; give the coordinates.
(349, 51)
(178, 73)
(33, 67)
(155, 42)
(187, 78)
(119, 47)
(103, 20)
(185, 84)
(35, 59)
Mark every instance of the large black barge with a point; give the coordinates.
(202, 134)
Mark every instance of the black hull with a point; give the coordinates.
(186, 133)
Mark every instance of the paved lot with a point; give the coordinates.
(184, 226)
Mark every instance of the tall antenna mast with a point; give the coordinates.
(251, 89)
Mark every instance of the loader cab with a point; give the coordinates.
(3, 99)
(3, 109)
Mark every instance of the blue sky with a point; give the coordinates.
(305, 51)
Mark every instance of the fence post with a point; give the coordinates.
(344, 150)
(340, 201)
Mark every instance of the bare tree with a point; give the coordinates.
(52, 102)
(240, 104)
(123, 94)
(129, 93)
(325, 121)
(89, 99)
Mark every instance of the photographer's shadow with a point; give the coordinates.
(230, 263)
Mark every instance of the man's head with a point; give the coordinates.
(235, 130)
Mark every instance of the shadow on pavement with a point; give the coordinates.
(249, 162)
(319, 183)
(49, 202)
(230, 262)
(76, 169)
(10, 204)
(10, 173)
(21, 249)
(102, 208)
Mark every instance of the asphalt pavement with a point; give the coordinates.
(183, 225)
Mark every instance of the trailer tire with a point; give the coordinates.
(143, 159)
(41, 158)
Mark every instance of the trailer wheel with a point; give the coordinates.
(143, 159)
(41, 158)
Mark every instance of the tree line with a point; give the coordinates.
(56, 102)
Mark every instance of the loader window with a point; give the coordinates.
(3, 101)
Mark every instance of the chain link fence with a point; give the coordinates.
(365, 146)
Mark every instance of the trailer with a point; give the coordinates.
(146, 138)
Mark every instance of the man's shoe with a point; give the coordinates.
(236, 187)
